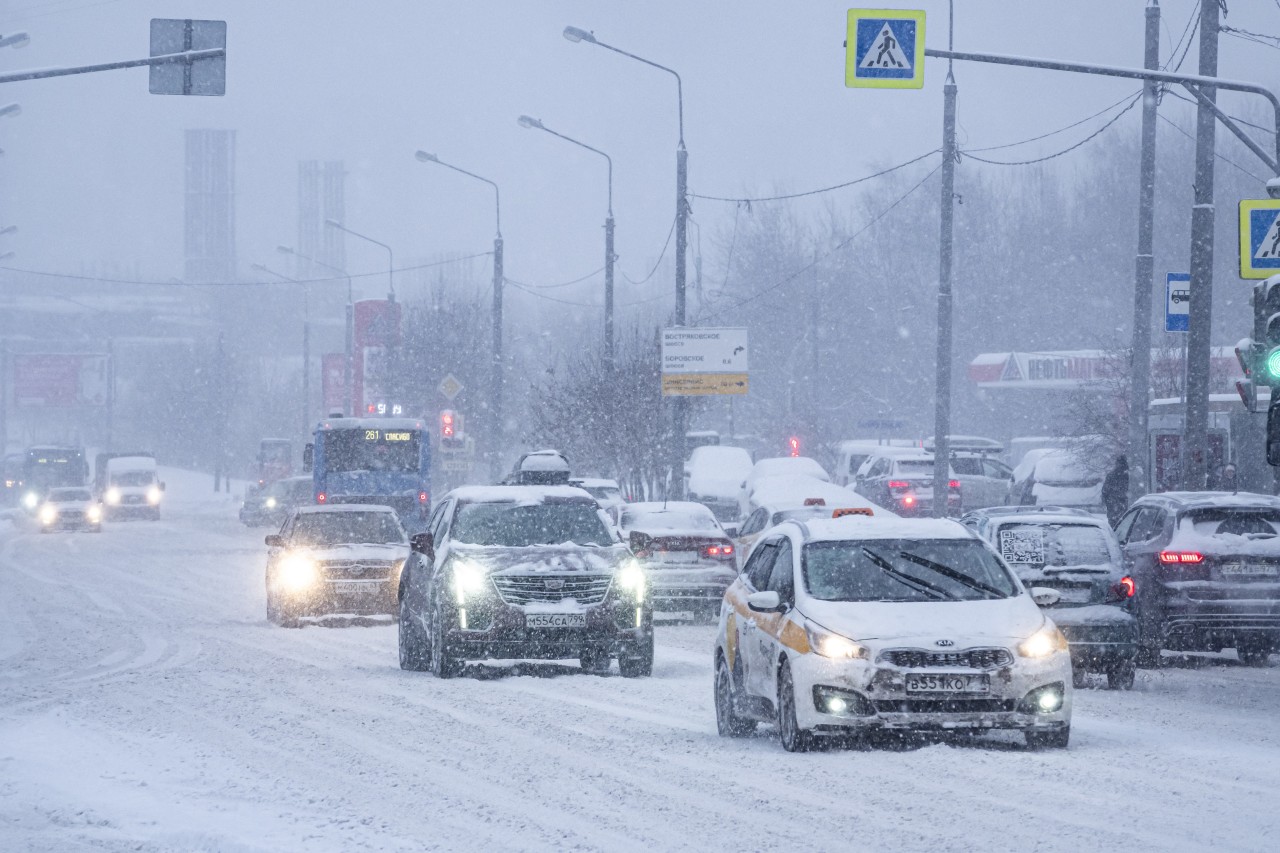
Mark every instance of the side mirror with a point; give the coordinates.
(424, 544)
(764, 602)
(275, 540)
(1043, 596)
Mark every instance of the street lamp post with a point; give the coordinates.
(349, 359)
(575, 34)
(536, 124)
(495, 381)
(391, 259)
(306, 343)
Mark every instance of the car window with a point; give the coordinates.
(856, 460)
(905, 570)
(437, 525)
(327, 529)
(760, 565)
(755, 522)
(967, 465)
(1040, 545)
(1148, 525)
(1126, 524)
(1233, 521)
(998, 470)
(782, 577)
(515, 525)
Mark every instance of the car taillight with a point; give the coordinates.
(718, 552)
(1125, 588)
(955, 484)
(321, 498)
(909, 500)
(898, 484)
(422, 497)
(1181, 557)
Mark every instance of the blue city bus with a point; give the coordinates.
(374, 461)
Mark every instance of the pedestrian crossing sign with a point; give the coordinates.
(1259, 238)
(884, 49)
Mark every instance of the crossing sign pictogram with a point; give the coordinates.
(1259, 238)
(884, 49)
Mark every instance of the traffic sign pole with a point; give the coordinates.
(942, 385)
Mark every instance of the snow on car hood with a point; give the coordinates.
(367, 552)
(544, 559)
(963, 622)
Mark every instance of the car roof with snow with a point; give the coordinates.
(855, 528)
(1002, 512)
(1213, 500)
(783, 466)
(1059, 518)
(593, 482)
(669, 515)
(777, 494)
(518, 494)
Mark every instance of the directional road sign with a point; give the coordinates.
(1177, 302)
(698, 361)
(884, 49)
(206, 76)
(1259, 238)
(450, 387)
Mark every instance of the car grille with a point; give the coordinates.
(969, 658)
(357, 570)
(531, 589)
(944, 706)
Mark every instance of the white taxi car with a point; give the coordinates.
(846, 625)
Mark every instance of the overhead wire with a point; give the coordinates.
(527, 285)
(788, 196)
(1103, 129)
(656, 263)
(1226, 160)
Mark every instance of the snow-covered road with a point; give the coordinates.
(146, 704)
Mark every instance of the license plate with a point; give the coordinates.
(555, 620)
(1074, 595)
(947, 683)
(1238, 569)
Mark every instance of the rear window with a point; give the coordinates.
(1242, 521)
(327, 529)
(513, 525)
(1040, 545)
(969, 465)
(915, 466)
(682, 520)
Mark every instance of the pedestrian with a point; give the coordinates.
(1115, 490)
(1227, 481)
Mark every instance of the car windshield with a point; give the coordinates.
(326, 529)
(1041, 545)
(1237, 521)
(133, 478)
(905, 570)
(604, 493)
(514, 525)
(674, 520)
(59, 496)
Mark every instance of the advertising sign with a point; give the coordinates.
(333, 381)
(61, 380)
(377, 333)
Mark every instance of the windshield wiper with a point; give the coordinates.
(958, 577)
(907, 580)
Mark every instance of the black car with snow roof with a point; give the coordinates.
(520, 572)
(688, 557)
(1076, 555)
(1207, 569)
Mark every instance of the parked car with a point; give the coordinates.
(1077, 555)
(539, 468)
(523, 572)
(851, 625)
(606, 492)
(902, 480)
(1058, 478)
(270, 506)
(1207, 569)
(69, 508)
(714, 477)
(852, 453)
(777, 466)
(688, 557)
(344, 558)
(984, 481)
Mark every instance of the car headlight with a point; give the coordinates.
(112, 496)
(832, 645)
(297, 573)
(631, 579)
(94, 514)
(30, 500)
(48, 514)
(269, 503)
(153, 495)
(1043, 643)
(468, 579)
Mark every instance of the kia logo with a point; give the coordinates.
(944, 643)
(554, 583)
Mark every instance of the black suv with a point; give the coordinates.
(510, 572)
(1207, 571)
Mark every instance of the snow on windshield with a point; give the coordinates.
(513, 525)
(904, 570)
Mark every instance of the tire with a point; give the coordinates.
(1048, 740)
(728, 723)
(794, 738)
(1121, 676)
(637, 660)
(1252, 654)
(595, 662)
(1079, 678)
(279, 613)
(443, 664)
(415, 654)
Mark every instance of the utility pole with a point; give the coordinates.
(1195, 434)
(1144, 274)
(681, 412)
(220, 415)
(608, 291)
(942, 384)
(495, 461)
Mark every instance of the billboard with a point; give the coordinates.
(61, 380)
(377, 333)
(333, 381)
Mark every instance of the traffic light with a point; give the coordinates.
(1266, 330)
(793, 445)
(451, 434)
(1247, 355)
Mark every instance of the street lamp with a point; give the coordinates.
(15, 40)
(391, 261)
(495, 381)
(531, 123)
(578, 35)
(306, 342)
(349, 360)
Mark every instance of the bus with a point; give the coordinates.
(46, 468)
(373, 461)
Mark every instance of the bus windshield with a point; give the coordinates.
(371, 450)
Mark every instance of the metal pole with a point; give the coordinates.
(942, 386)
(1144, 272)
(306, 377)
(165, 59)
(495, 460)
(350, 366)
(1196, 428)
(608, 293)
(681, 409)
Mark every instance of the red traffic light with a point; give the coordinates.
(447, 424)
(794, 445)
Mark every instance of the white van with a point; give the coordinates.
(132, 487)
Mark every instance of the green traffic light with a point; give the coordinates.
(1272, 365)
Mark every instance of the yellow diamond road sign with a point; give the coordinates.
(884, 49)
(449, 387)
(1259, 238)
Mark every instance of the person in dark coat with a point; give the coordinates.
(1115, 490)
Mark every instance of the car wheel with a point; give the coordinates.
(728, 723)
(637, 660)
(1079, 677)
(1121, 676)
(1254, 654)
(1049, 740)
(443, 664)
(280, 613)
(794, 738)
(415, 654)
(595, 661)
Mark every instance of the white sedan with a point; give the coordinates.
(847, 625)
